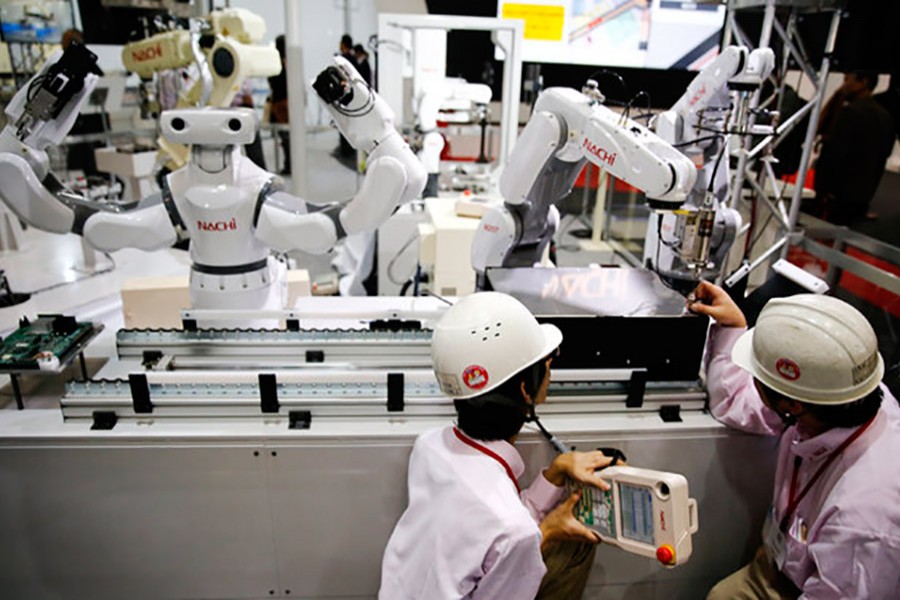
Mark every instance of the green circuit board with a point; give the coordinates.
(55, 335)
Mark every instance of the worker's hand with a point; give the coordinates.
(561, 524)
(578, 466)
(711, 300)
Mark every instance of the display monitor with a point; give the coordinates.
(42, 22)
(655, 34)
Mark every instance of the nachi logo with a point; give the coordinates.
(601, 153)
(147, 53)
(217, 225)
(696, 97)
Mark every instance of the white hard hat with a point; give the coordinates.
(483, 340)
(812, 348)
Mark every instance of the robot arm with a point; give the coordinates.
(446, 100)
(147, 229)
(284, 224)
(228, 46)
(394, 175)
(567, 129)
(40, 115)
(688, 243)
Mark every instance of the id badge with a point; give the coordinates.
(774, 540)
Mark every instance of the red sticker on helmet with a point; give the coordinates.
(475, 377)
(788, 369)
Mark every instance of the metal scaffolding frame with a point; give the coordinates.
(754, 166)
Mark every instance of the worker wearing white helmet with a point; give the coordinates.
(470, 531)
(810, 372)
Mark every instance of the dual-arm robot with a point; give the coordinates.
(693, 242)
(232, 211)
(567, 129)
(440, 101)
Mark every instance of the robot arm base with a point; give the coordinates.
(145, 229)
(494, 238)
(25, 196)
(283, 230)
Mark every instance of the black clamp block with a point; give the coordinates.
(268, 393)
(670, 413)
(395, 384)
(189, 324)
(395, 325)
(299, 419)
(150, 357)
(140, 393)
(636, 388)
(315, 356)
(104, 420)
(292, 324)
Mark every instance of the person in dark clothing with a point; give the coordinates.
(362, 63)
(856, 138)
(345, 47)
(278, 112)
(253, 150)
(890, 101)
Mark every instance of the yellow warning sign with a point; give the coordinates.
(542, 22)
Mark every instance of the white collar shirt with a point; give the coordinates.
(467, 532)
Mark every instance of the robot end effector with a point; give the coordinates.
(40, 115)
(394, 175)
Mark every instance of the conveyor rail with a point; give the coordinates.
(337, 393)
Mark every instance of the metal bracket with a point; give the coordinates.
(268, 393)
(104, 420)
(636, 386)
(140, 393)
(670, 413)
(299, 419)
(395, 386)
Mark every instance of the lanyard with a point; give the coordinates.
(488, 452)
(794, 499)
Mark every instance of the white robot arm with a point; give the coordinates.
(686, 245)
(40, 115)
(567, 129)
(229, 46)
(445, 100)
(394, 175)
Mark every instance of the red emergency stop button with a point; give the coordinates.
(665, 554)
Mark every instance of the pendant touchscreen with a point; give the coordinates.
(645, 512)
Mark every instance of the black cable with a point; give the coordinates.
(433, 295)
(712, 180)
(614, 74)
(699, 139)
(635, 97)
(760, 232)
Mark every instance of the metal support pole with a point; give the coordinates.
(296, 96)
(764, 38)
(768, 22)
(813, 123)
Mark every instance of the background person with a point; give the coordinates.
(278, 105)
(469, 532)
(810, 372)
(856, 139)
